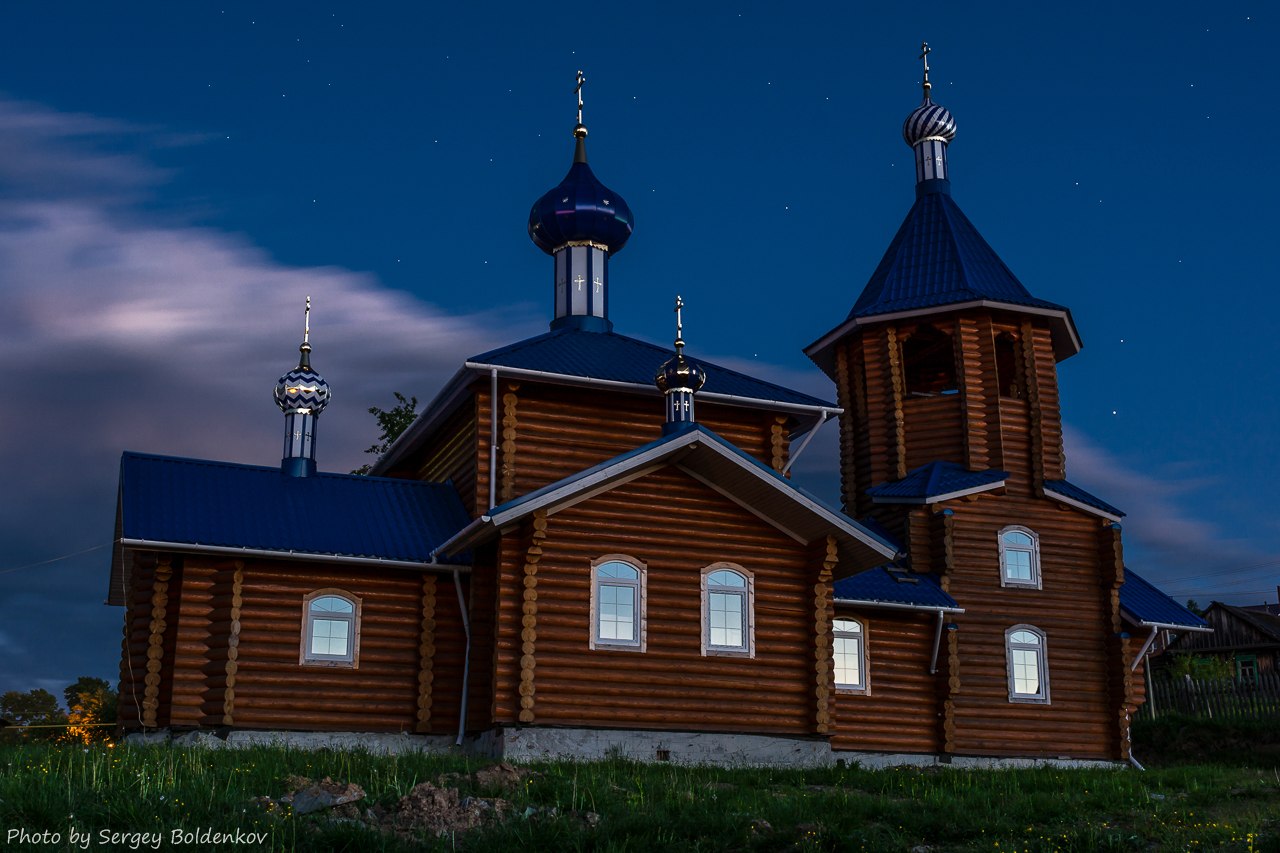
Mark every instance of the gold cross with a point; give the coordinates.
(578, 91)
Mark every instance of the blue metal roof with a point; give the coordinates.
(618, 358)
(938, 258)
(891, 585)
(1079, 495)
(936, 481)
(223, 504)
(1142, 602)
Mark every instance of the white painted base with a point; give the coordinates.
(536, 743)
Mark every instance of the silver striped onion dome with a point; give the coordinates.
(929, 121)
(302, 389)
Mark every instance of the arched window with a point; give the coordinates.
(928, 362)
(727, 603)
(1019, 557)
(330, 629)
(1010, 371)
(1027, 656)
(617, 603)
(850, 654)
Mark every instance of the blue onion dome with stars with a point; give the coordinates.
(580, 223)
(580, 209)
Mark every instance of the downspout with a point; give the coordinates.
(1146, 647)
(937, 644)
(493, 437)
(466, 658)
(1128, 731)
(826, 413)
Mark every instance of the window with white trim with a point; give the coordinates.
(1026, 653)
(1019, 557)
(331, 629)
(617, 603)
(849, 654)
(727, 600)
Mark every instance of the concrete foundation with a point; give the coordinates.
(536, 743)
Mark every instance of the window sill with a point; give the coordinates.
(330, 664)
(1029, 700)
(852, 691)
(727, 653)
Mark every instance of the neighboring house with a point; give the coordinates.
(1269, 609)
(559, 557)
(1246, 637)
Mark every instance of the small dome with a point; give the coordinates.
(580, 209)
(680, 373)
(302, 389)
(929, 120)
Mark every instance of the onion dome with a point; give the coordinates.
(302, 389)
(680, 374)
(580, 209)
(929, 121)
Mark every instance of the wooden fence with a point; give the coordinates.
(1225, 698)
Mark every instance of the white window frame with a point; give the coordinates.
(351, 659)
(1035, 582)
(641, 636)
(748, 594)
(1041, 649)
(858, 633)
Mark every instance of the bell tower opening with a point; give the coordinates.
(928, 363)
(1010, 370)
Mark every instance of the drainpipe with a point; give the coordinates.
(937, 644)
(466, 658)
(808, 438)
(1146, 647)
(493, 438)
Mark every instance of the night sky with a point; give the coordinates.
(176, 178)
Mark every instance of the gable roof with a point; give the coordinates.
(938, 261)
(576, 356)
(1073, 495)
(1143, 604)
(895, 588)
(713, 461)
(170, 503)
(937, 481)
(1264, 623)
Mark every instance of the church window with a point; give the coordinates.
(850, 654)
(1010, 371)
(617, 603)
(727, 604)
(1019, 557)
(1026, 657)
(928, 363)
(331, 629)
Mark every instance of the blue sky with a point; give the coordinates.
(176, 178)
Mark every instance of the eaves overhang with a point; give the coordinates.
(1066, 340)
(897, 605)
(1081, 505)
(308, 556)
(933, 499)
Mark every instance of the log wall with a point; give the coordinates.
(900, 709)
(219, 670)
(1073, 610)
(671, 684)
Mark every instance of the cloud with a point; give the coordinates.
(118, 331)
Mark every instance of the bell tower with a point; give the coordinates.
(945, 360)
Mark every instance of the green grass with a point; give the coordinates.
(653, 807)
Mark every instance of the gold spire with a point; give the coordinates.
(679, 328)
(581, 129)
(924, 57)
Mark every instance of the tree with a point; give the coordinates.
(1194, 607)
(91, 703)
(392, 422)
(33, 708)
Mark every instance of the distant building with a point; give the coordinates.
(1246, 637)
(558, 557)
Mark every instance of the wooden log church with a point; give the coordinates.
(587, 544)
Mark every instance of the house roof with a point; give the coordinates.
(895, 588)
(714, 462)
(1143, 604)
(937, 481)
(1263, 623)
(197, 505)
(939, 262)
(1072, 495)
